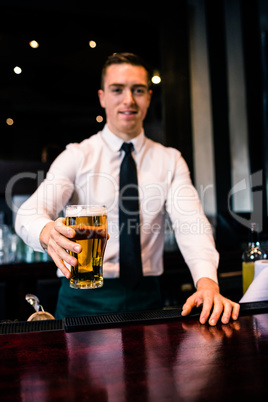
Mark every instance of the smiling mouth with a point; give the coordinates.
(128, 113)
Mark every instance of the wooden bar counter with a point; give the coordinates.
(171, 360)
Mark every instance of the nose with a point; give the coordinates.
(128, 98)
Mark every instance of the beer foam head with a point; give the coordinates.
(85, 210)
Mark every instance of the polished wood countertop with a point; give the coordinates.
(177, 360)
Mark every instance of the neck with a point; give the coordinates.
(125, 136)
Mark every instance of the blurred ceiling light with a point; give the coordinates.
(92, 44)
(156, 79)
(9, 121)
(17, 70)
(99, 119)
(34, 44)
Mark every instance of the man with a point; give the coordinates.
(88, 173)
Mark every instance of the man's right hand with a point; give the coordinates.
(55, 238)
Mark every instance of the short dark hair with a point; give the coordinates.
(124, 58)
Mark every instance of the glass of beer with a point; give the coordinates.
(90, 225)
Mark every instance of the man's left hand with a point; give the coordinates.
(214, 304)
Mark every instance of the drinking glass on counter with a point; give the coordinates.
(90, 225)
(253, 253)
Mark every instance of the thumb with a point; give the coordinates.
(187, 307)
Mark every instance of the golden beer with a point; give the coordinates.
(90, 225)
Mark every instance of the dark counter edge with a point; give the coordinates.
(74, 324)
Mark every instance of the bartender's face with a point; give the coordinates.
(125, 98)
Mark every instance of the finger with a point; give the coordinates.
(59, 250)
(206, 309)
(188, 306)
(60, 264)
(217, 311)
(62, 241)
(231, 310)
(236, 309)
(193, 301)
(61, 228)
(227, 312)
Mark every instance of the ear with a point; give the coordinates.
(150, 93)
(101, 97)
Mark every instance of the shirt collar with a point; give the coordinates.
(115, 142)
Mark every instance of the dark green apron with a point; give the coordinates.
(113, 297)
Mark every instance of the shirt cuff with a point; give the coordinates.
(34, 233)
(204, 270)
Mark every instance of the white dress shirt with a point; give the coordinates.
(88, 173)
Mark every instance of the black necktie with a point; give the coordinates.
(129, 220)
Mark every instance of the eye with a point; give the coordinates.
(139, 91)
(116, 90)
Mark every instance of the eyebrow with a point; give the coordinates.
(123, 85)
